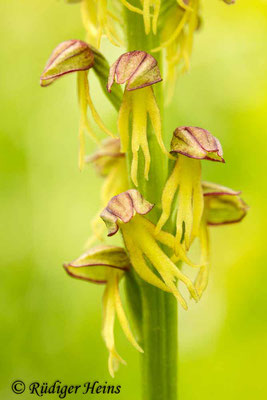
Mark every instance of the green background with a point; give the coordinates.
(50, 324)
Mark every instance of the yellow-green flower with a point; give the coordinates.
(106, 265)
(126, 211)
(178, 25)
(221, 206)
(151, 10)
(76, 56)
(110, 163)
(139, 71)
(190, 144)
(99, 20)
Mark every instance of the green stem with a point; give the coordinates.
(158, 310)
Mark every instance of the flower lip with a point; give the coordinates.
(123, 208)
(198, 143)
(137, 69)
(94, 264)
(69, 56)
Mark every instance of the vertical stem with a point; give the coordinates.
(158, 309)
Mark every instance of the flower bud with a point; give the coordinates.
(222, 205)
(137, 69)
(196, 143)
(94, 265)
(122, 208)
(68, 56)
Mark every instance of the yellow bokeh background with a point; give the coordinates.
(50, 324)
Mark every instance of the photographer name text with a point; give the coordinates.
(41, 389)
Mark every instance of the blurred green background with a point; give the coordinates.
(50, 324)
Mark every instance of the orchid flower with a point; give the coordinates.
(106, 265)
(76, 56)
(192, 145)
(139, 71)
(110, 164)
(177, 33)
(126, 212)
(221, 206)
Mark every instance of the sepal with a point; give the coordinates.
(222, 205)
(69, 56)
(137, 69)
(198, 143)
(95, 265)
(122, 208)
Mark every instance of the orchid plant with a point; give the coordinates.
(153, 193)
